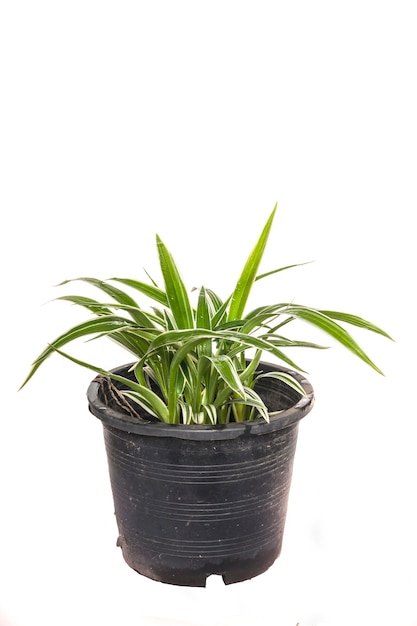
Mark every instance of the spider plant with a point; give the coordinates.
(191, 362)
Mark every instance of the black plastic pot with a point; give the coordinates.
(191, 501)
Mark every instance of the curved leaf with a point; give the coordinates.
(143, 395)
(227, 371)
(193, 337)
(285, 378)
(354, 320)
(107, 324)
(325, 323)
(252, 399)
(151, 291)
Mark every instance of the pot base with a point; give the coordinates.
(191, 576)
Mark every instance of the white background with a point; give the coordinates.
(191, 119)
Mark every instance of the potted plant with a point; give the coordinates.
(200, 431)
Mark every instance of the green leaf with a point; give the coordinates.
(325, 323)
(151, 400)
(203, 319)
(211, 413)
(281, 269)
(284, 342)
(220, 308)
(248, 275)
(252, 399)
(193, 337)
(175, 289)
(227, 371)
(204, 310)
(144, 399)
(186, 412)
(216, 301)
(104, 308)
(110, 290)
(93, 306)
(285, 378)
(247, 375)
(106, 324)
(154, 283)
(117, 294)
(151, 291)
(198, 417)
(355, 321)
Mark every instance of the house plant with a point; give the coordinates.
(200, 431)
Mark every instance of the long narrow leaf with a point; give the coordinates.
(138, 346)
(98, 308)
(152, 400)
(285, 378)
(194, 336)
(244, 284)
(106, 324)
(204, 319)
(325, 323)
(184, 350)
(221, 308)
(117, 294)
(204, 310)
(354, 320)
(104, 308)
(281, 269)
(251, 399)
(283, 342)
(227, 371)
(186, 412)
(176, 291)
(151, 291)
(211, 412)
(143, 399)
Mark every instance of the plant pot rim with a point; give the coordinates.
(278, 419)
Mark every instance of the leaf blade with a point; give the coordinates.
(354, 320)
(329, 326)
(105, 325)
(227, 371)
(244, 284)
(151, 291)
(175, 289)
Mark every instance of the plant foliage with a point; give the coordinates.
(191, 359)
